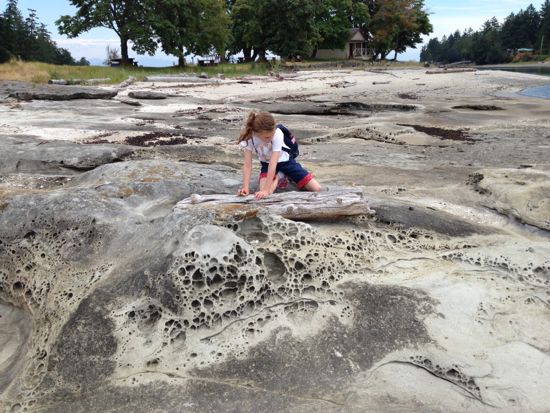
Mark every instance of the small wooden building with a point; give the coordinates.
(355, 48)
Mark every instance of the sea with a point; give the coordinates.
(542, 92)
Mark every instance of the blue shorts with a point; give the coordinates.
(292, 169)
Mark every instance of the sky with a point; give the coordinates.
(446, 16)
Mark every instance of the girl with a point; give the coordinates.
(261, 135)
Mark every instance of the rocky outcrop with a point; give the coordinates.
(116, 295)
(521, 193)
(26, 154)
(20, 91)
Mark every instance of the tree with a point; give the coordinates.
(112, 54)
(248, 32)
(14, 29)
(129, 19)
(332, 21)
(486, 44)
(27, 38)
(191, 26)
(83, 62)
(415, 24)
(290, 27)
(521, 29)
(543, 39)
(396, 25)
(359, 15)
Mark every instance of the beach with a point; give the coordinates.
(437, 301)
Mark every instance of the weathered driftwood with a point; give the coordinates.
(79, 81)
(292, 205)
(443, 71)
(124, 84)
(181, 79)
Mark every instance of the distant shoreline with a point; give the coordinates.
(516, 65)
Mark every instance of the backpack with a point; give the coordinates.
(290, 141)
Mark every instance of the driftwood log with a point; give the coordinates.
(292, 205)
(445, 71)
(79, 81)
(124, 84)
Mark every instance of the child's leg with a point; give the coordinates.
(302, 178)
(263, 175)
(312, 186)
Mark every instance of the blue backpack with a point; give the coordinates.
(290, 141)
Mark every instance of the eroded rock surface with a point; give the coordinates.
(22, 91)
(111, 299)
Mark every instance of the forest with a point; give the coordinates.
(522, 36)
(28, 39)
(288, 28)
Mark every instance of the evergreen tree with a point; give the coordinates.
(27, 38)
(14, 29)
(543, 38)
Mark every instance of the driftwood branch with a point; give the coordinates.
(292, 205)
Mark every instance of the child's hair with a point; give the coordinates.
(257, 122)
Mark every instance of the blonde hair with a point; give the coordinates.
(256, 122)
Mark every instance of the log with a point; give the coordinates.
(180, 79)
(124, 84)
(79, 81)
(58, 82)
(96, 81)
(330, 204)
(444, 71)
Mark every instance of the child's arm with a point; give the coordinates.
(247, 170)
(271, 171)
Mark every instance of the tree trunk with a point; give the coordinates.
(314, 53)
(246, 54)
(181, 57)
(261, 54)
(124, 51)
(338, 203)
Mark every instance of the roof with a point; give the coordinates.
(356, 34)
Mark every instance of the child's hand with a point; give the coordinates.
(243, 191)
(261, 194)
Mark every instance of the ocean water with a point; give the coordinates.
(542, 92)
(537, 92)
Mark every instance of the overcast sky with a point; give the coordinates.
(446, 16)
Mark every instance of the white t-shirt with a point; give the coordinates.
(264, 150)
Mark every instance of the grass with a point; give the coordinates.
(37, 72)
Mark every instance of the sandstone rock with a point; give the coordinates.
(20, 91)
(523, 194)
(111, 301)
(31, 155)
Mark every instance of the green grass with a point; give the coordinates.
(38, 72)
